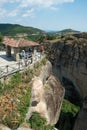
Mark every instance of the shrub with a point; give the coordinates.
(37, 65)
(39, 123)
(15, 80)
(36, 121)
(44, 60)
(28, 75)
(67, 115)
(68, 107)
(1, 87)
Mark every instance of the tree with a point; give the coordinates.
(1, 37)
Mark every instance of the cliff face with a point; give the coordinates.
(46, 96)
(69, 58)
(81, 121)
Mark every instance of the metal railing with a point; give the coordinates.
(18, 66)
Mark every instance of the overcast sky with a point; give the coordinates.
(45, 14)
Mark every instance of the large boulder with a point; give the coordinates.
(46, 96)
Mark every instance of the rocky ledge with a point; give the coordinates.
(46, 96)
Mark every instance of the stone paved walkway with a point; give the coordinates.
(4, 60)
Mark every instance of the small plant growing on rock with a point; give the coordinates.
(37, 65)
(39, 123)
(1, 87)
(28, 75)
(44, 60)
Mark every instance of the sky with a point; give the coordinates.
(45, 14)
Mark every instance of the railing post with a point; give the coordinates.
(7, 68)
(26, 62)
(19, 65)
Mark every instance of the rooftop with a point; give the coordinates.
(18, 42)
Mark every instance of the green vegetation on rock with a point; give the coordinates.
(15, 94)
(39, 123)
(1, 38)
(68, 107)
(67, 116)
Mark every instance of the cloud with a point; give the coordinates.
(28, 13)
(54, 8)
(43, 3)
(27, 7)
(3, 12)
(13, 13)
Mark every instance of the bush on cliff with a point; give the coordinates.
(67, 116)
(39, 123)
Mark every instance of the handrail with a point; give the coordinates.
(18, 66)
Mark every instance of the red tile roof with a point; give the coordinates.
(18, 42)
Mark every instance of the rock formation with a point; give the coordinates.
(69, 58)
(46, 96)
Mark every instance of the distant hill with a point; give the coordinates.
(15, 29)
(53, 35)
(67, 31)
(63, 32)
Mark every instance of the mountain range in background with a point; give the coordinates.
(15, 29)
(65, 31)
(31, 33)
